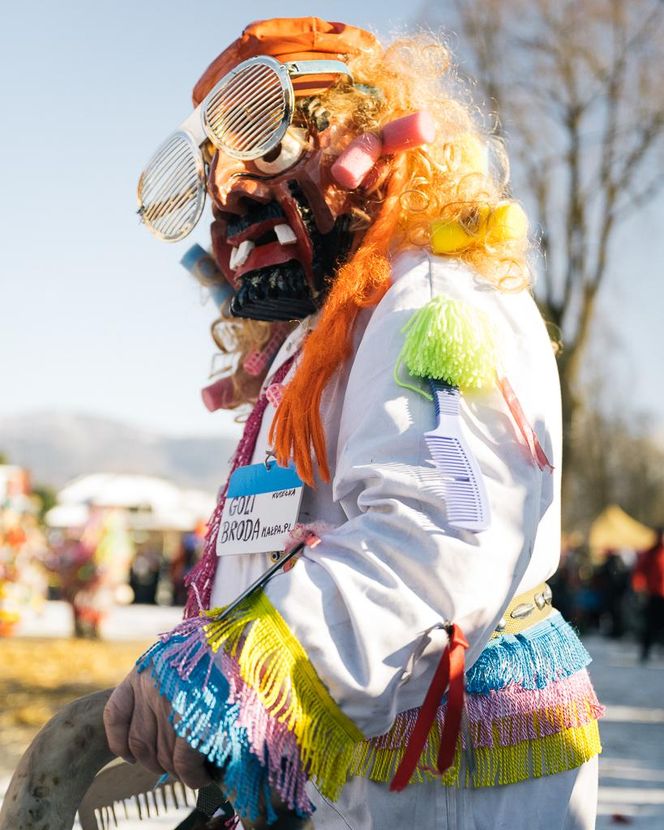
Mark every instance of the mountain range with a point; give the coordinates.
(57, 447)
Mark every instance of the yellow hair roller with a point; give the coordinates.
(505, 222)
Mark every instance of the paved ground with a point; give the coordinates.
(632, 763)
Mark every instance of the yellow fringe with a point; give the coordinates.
(275, 665)
(575, 710)
(487, 767)
(382, 764)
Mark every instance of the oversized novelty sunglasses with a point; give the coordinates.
(245, 115)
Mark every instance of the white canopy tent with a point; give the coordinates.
(151, 503)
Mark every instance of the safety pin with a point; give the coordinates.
(311, 541)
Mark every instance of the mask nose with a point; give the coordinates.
(230, 183)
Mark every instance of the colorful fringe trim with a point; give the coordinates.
(219, 715)
(274, 664)
(540, 655)
(489, 767)
(507, 736)
(259, 702)
(244, 694)
(208, 718)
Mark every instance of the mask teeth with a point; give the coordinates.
(240, 254)
(285, 234)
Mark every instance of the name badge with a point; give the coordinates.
(262, 506)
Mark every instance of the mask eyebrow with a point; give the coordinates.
(255, 176)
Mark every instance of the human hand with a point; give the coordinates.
(136, 719)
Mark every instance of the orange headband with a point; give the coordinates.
(287, 39)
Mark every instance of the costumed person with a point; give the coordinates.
(648, 579)
(369, 634)
(93, 569)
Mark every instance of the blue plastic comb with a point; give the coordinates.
(462, 483)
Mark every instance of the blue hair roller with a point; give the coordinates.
(202, 266)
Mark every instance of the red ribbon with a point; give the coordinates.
(529, 435)
(450, 671)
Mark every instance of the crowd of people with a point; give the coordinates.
(91, 568)
(22, 548)
(22, 577)
(621, 594)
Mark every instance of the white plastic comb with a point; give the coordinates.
(462, 483)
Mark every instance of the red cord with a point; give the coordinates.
(450, 670)
(528, 433)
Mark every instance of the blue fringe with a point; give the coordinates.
(542, 654)
(208, 722)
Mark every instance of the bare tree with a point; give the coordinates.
(618, 463)
(576, 88)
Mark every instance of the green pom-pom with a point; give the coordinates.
(452, 341)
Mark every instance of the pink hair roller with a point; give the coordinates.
(256, 362)
(218, 395)
(356, 161)
(408, 132)
(274, 393)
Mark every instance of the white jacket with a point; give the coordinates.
(392, 567)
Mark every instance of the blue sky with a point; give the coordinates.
(99, 317)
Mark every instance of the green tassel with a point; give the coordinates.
(451, 341)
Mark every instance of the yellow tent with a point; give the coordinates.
(614, 529)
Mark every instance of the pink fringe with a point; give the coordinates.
(183, 657)
(514, 714)
(201, 578)
(511, 715)
(270, 741)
